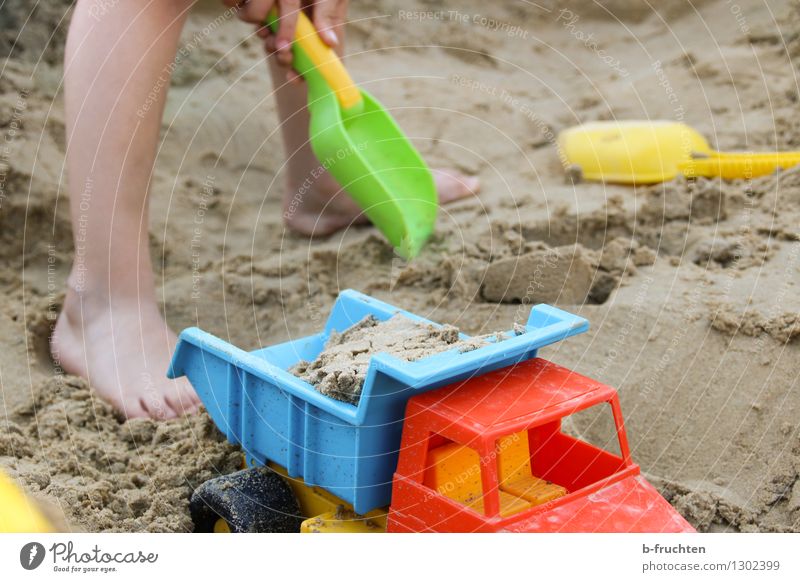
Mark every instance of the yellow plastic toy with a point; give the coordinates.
(648, 152)
(18, 514)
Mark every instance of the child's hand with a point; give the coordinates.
(255, 11)
(327, 15)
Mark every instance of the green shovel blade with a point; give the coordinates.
(372, 160)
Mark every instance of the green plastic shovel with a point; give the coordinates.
(362, 147)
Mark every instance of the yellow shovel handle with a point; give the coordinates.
(327, 63)
(739, 165)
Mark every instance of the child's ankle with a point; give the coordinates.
(84, 301)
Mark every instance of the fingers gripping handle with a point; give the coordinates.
(323, 60)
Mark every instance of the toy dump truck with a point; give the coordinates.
(453, 442)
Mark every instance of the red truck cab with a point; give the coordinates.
(490, 454)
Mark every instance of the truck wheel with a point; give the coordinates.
(255, 500)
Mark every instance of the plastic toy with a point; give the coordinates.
(18, 513)
(482, 446)
(648, 152)
(362, 147)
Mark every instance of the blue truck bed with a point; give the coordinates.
(348, 450)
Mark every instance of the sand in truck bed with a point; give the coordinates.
(340, 369)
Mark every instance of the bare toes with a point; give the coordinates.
(134, 408)
(452, 185)
(184, 402)
(158, 408)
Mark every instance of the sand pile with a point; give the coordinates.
(69, 448)
(340, 370)
(691, 287)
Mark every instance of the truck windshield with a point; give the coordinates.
(531, 467)
(551, 460)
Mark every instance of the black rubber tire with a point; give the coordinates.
(255, 500)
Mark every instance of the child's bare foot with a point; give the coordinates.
(323, 209)
(123, 348)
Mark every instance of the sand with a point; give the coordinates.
(341, 368)
(691, 288)
(72, 452)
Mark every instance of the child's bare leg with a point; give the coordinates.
(111, 330)
(324, 208)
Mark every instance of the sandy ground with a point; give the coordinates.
(691, 288)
